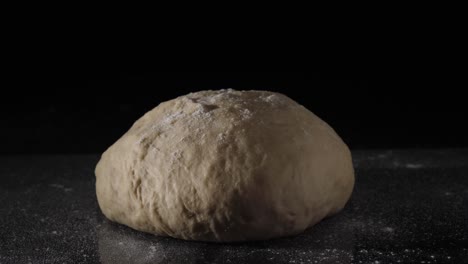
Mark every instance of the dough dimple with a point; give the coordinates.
(225, 165)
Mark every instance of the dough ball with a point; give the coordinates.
(225, 165)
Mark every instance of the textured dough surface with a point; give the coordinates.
(225, 165)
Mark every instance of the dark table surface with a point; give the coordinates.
(408, 206)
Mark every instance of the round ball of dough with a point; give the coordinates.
(225, 165)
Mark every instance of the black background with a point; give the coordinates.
(62, 111)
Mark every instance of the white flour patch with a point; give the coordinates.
(246, 114)
(414, 166)
(273, 99)
(388, 229)
(221, 137)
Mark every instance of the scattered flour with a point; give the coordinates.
(203, 115)
(61, 186)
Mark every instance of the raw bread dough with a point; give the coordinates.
(225, 165)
